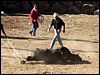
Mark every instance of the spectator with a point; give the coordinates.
(2, 29)
(57, 22)
(34, 20)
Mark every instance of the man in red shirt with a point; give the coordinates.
(33, 20)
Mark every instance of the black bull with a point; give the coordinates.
(54, 56)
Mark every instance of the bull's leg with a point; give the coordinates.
(31, 58)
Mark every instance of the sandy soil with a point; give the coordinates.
(81, 37)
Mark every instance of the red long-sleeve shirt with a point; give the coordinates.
(33, 15)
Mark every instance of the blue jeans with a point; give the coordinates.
(56, 37)
(34, 28)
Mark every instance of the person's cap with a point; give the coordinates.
(55, 14)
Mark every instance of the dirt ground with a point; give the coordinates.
(81, 37)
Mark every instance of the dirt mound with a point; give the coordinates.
(62, 55)
(81, 37)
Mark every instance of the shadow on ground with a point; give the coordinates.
(23, 38)
(80, 40)
(59, 63)
(45, 38)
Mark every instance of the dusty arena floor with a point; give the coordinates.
(81, 37)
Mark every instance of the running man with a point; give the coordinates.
(2, 29)
(34, 20)
(57, 23)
